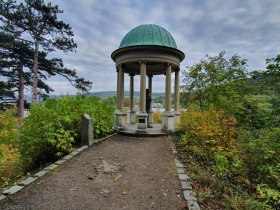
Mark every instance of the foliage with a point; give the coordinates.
(229, 137)
(9, 154)
(208, 134)
(157, 118)
(218, 81)
(270, 196)
(25, 27)
(53, 128)
(265, 152)
(8, 128)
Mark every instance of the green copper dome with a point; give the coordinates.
(148, 34)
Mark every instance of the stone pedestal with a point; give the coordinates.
(132, 118)
(150, 118)
(167, 121)
(120, 120)
(141, 123)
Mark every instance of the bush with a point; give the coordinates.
(157, 118)
(260, 151)
(9, 154)
(53, 128)
(208, 135)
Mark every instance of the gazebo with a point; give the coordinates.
(147, 50)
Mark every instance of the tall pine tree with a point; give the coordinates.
(39, 20)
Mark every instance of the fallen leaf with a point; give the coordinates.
(183, 206)
(73, 189)
(164, 194)
(124, 193)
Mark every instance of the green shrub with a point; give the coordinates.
(53, 128)
(269, 196)
(9, 154)
(157, 118)
(206, 134)
(265, 150)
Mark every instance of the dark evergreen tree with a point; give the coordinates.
(39, 20)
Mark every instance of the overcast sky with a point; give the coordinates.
(250, 28)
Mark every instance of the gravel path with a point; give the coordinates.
(122, 173)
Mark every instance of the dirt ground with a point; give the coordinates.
(122, 173)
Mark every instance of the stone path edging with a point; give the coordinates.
(185, 182)
(14, 189)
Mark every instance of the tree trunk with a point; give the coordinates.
(21, 95)
(35, 74)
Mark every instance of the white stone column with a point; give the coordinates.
(168, 89)
(167, 116)
(177, 97)
(150, 85)
(118, 89)
(120, 117)
(143, 87)
(131, 100)
(142, 115)
(121, 82)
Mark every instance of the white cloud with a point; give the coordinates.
(249, 28)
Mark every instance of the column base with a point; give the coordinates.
(120, 120)
(167, 121)
(132, 117)
(141, 123)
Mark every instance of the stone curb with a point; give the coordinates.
(185, 182)
(12, 190)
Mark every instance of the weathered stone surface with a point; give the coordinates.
(74, 153)
(84, 147)
(183, 177)
(179, 165)
(186, 185)
(188, 195)
(51, 167)
(60, 161)
(67, 157)
(41, 173)
(193, 205)
(2, 197)
(181, 170)
(28, 181)
(86, 129)
(12, 190)
(81, 148)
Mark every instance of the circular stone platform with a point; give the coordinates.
(131, 130)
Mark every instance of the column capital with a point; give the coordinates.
(120, 65)
(177, 69)
(150, 75)
(132, 75)
(145, 62)
(168, 64)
